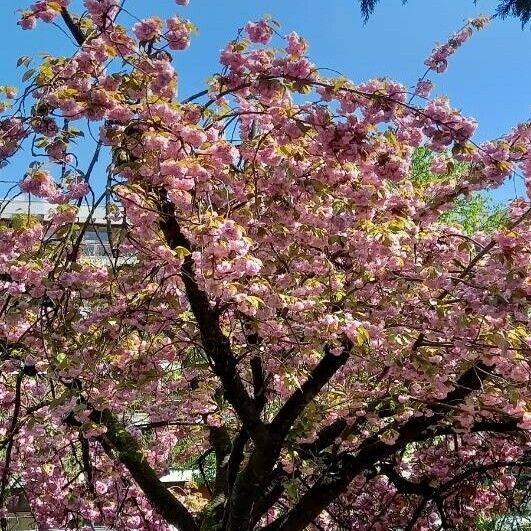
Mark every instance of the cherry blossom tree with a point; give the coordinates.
(285, 307)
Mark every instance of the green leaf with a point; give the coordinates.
(24, 60)
(292, 490)
(254, 301)
(28, 74)
(362, 336)
(181, 252)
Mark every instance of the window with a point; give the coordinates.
(96, 243)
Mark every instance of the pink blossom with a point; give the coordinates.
(525, 423)
(101, 487)
(259, 32)
(178, 34)
(297, 45)
(269, 248)
(39, 183)
(28, 22)
(439, 166)
(424, 88)
(148, 29)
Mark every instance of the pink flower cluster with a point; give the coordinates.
(260, 32)
(44, 10)
(102, 11)
(12, 132)
(148, 29)
(424, 88)
(297, 45)
(41, 184)
(438, 60)
(178, 34)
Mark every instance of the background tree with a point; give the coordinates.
(475, 213)
(284, 304)
(506, 8)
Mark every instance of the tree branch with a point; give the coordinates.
(131, 456)
(297, 402)
(347, 466)
(405, 486)
(78, 35)
(212, 514)
(9, 447)
(250, 485)
(324, 439)
(215, 343)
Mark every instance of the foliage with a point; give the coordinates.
(473, 214)
(506, 8)
(295, 304)
(477, 214)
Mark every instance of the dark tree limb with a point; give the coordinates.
(349, 465)
(252, 482)
(417, 514)
(131, 456)
(270, 497)
(215, 343)
(325, 438)
(75, 30)
(9, 447)
(297, 402)
(200, 462)
(87, 462)
(236, 457)
(404, 486)
(242, 438)
(220, 440)
(212, 514)
(257, 371)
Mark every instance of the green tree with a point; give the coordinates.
(475, 213)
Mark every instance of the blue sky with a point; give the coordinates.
(489, 77)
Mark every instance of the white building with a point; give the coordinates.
(96, 237)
